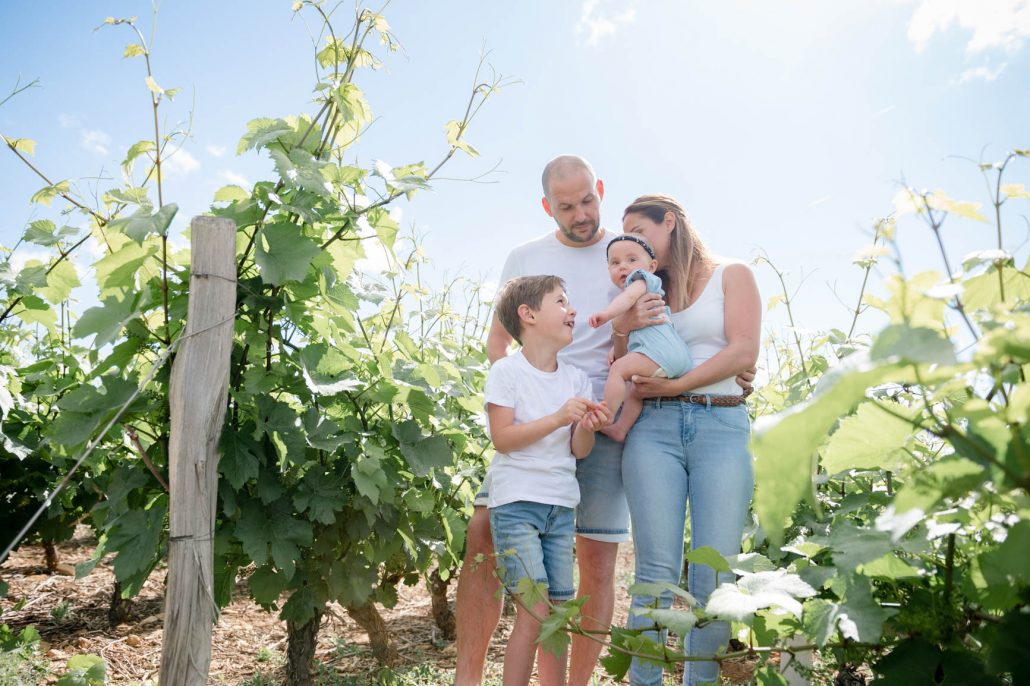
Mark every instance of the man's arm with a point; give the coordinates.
(497, 341)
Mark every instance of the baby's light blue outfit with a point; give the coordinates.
(660, 342)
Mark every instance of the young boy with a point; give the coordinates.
(542, 417)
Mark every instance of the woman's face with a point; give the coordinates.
(657, 234)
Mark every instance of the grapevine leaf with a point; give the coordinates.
(903, 343)
(284, 253)
(143, 223)
(106, 321)
(118, 268)
(327, 371)
(369, 477)
(455, 139)
(45, 195)
(300, 607)
(134, 50)
(300, 169)
(261, 132)
(678, 621)
(1008, 650)
(753, 592)
(272, 532)
(655, 589)
(706, 555)
(41, 232)
(136, 536)
(321, 495)
(784, 444)
(871, 438)
(35, 311)
(135, 150)
(239, 462)
(426, 454)
(266, 585)
(60, 282)
(231, 193)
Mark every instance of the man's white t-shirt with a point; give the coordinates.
(544, 471)
(589, 287)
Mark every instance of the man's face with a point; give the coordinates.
(575, 203)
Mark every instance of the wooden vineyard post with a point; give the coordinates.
(199, 384)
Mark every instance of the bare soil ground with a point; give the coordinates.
(248, 643)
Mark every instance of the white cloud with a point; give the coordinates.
(20, 257)
(233, 177)
(95, 141)
(215, 150)
(885, 110)
(67, 121)
(974, 73)
(601, 18)
(993, 23)
(180, 163)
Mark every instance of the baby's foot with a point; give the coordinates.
(615, 432)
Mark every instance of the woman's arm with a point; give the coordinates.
(508, 436)
(619, 304)
(743, 321)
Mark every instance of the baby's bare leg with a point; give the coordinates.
(621, 372)
(631, 408)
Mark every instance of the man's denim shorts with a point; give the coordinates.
(534, 540)
(602, 514)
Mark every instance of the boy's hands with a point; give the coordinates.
(574, 410)
(598, 418)
(598, 319)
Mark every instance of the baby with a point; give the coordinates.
(653, 350)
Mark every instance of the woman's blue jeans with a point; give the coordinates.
(681, 455)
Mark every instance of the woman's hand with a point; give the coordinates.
(745, 379)
(648, 310)
(655, 387)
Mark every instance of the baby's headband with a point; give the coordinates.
(630, 237)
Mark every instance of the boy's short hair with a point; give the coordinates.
(523, 290)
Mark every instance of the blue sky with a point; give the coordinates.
(783, 126)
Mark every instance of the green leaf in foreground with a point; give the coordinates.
(871, 438)
(784, 445)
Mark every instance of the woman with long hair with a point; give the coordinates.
(689, 448)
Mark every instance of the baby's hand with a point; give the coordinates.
(598, 319)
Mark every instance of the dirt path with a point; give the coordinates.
(248, 643)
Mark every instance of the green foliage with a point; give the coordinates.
(354, 432)
(84, 670)
(20, 661)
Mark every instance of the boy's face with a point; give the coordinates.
(555, 318)
(626, 256)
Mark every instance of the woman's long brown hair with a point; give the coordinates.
(687, 256)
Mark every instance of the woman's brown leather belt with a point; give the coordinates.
(715, 400)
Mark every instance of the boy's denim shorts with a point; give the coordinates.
(602, 513)
(534, 540)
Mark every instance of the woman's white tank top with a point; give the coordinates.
(702, 326)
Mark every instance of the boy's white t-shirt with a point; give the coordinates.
(589, 287)
(544, 471)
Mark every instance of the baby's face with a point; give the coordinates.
(626, 256)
